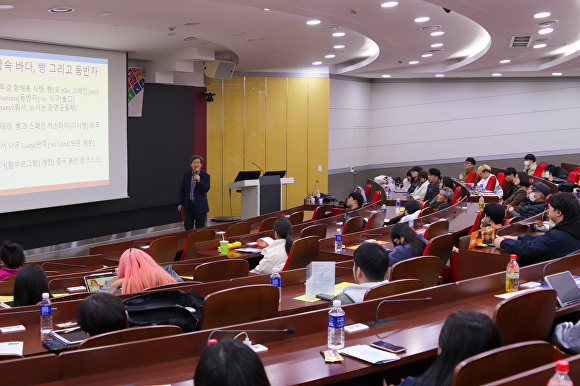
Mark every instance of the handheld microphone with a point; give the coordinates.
(256, 165)
(552, 262)
(289, 330)
(378, 322)
(63, 264)
(196, 172)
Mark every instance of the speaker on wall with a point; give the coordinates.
(219, 69)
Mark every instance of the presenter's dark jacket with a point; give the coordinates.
(561, 240)
(199, 194)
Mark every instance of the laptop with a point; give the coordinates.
(100, 282)
(566, 288)
(247, 175)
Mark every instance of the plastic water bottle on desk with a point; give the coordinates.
(575, 192)
(512, 275)
(336, 326)
(561, 378)
(338, 240)
(481, 202)
(384, 208)
(276, 281)
(472, 190)
(481, 189)
(398, 205)
(45, 316)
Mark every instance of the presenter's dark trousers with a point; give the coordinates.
(193, 218)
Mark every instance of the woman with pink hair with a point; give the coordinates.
(137, 271)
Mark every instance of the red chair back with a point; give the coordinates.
(477, 222)
(471, 176)
(491, 183)
(577, 169)
(539, 170)
(573, 176)
(368, 190)
(376, 197)
(455, 195)
(501, 179)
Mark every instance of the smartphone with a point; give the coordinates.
(388, 347)
(325, 297)
(54, 345)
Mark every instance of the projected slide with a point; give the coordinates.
(54, 126)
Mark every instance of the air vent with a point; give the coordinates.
(520, 41)
(435, 51)
(256, 39)
(430, 27)
(331, 27)
(548, 23)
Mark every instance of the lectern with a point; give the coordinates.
(261, 196)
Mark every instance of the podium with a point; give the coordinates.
(261, 196)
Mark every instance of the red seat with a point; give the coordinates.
(376, 197)
(574, 177)
(471, 177)
(577, 169)
(476, 224)
(539, 170)
(368, 190)
(491, 183)
(455, 195)
(501, 179)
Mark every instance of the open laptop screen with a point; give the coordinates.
(565, 286)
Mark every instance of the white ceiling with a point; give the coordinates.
(378, 40)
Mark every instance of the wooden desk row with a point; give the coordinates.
(290, 359)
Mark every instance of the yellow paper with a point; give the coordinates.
(337, 290)
(4, 299)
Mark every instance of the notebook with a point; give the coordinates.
(565, 286)
(100, 282)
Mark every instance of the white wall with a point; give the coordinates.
(427, 122)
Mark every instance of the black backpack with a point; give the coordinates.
(173, 307)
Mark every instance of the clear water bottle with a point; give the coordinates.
(45, 316)
(411, 223)
(481, 189)
(338, 240)
(561, 378)
(336, 326)
(575, 192)
(472, 190)
(276, 281)
(384, 208)
(512, 275)
(398, 205)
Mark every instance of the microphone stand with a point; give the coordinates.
(381, 322)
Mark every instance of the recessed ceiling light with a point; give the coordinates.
(317, 63)
(545, 31)
(541, 45)
(422, 19)
(435, 45)
(386, 76)
(557, 73)
(439, 75)
(496, 74)
(190, 38)
(389, 4)
(427, 55)
(5, 7)
(313, 22)
(61, 10)
(329, 56)
(266, 9)
(505, 61)
(339, 46)
(542, 15)
(414, 62)
(437, 33)
(338, 34)
(108, 14)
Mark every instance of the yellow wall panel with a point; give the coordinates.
(297, 137)
(318, 105)
(276, 150)
(214, 161)
(255, 123)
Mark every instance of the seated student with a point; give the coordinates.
(446, 182)
(508, 186)
(561, 240)
(355, 200)
(415, 182)
(493, 214)
(519, 193)
(230, 363)
(567, 335)
(534, 204)
(29, 285)
(12, 256)
(137, 271)
(444, 198)
(407, 181)
(484, 172)
(408, 244)
(464, 334)
(276, 254)
(371, 262)
(469, 166)
(530, 164)
(433, 188)
(421, 190)
(100, 313)
(412, 211)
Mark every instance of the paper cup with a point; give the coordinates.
(224, 247)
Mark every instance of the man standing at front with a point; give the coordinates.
(193, 195)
